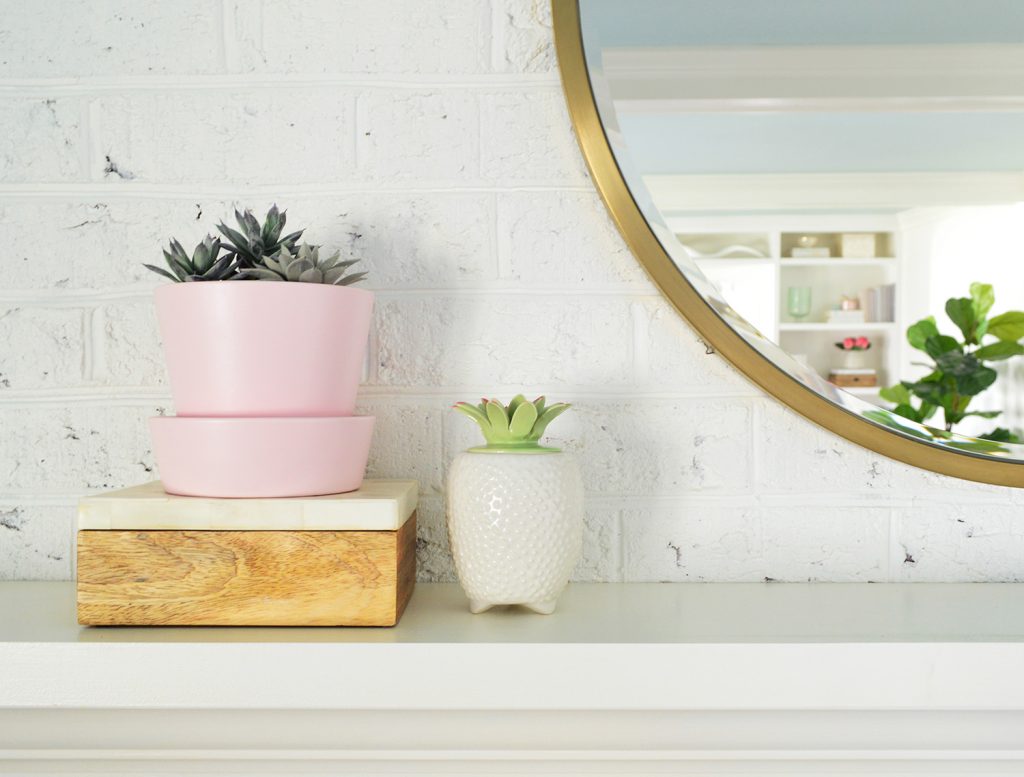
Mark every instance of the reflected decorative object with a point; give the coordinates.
(857, 245)
(807, 248)
(798, 301)
(707, 125)
(728, 252)
(854, 350)
(515, 509)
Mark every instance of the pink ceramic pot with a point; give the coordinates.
(258, 348)
(261, 457)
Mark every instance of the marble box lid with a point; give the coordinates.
(380, 505)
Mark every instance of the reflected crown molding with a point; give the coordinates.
(869, 191)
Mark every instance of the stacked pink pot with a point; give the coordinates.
(264, 377)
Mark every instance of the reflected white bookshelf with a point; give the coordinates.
(749, 257)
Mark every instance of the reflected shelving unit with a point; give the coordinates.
(751, 259)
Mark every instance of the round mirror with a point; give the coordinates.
(832, 194)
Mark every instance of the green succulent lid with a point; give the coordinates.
(515, 428)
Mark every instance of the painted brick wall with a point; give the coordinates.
(430, 138)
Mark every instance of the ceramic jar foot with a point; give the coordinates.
(544, 608)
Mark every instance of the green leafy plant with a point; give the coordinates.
(517, 427)
(252, 243)
(306, 266)
(958, 369)
(203, 265)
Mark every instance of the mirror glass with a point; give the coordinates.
(842, 182)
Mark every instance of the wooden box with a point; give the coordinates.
(863, 379)
(146, 558)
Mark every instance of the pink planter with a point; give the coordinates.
(258, 348)
(264, 378)
(261, 457)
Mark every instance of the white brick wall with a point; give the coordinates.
(430, 138)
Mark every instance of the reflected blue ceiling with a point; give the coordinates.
(702, 143)
(813, 142)
(800, 22)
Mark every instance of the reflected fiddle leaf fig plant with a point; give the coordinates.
(958, 367)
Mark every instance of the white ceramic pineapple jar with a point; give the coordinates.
(515, 509)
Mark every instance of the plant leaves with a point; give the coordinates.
(348, 280)
(1001, 349)
(1001, 434)
(983, 297)
(898, 394)
(976, 381)
(161, 271)
(918, 334)
(961, 312)
(936, 345)
(1007, 326)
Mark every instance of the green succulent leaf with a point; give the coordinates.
(550, 414)
(517, 427)
(161, 271)
(498, 417)
(523, 418)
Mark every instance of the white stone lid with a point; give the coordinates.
(380, 505)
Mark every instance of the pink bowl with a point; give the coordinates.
(261, 457)
(262, 349)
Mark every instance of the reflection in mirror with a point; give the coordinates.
(842, 182)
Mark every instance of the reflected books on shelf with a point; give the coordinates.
(878, 303)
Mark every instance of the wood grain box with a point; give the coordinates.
(147, 558)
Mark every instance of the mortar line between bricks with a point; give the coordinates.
(34, 87)
(191, 191)
(618, 501)
(72, 298)
(133, 395)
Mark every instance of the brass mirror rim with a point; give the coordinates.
(694, 308)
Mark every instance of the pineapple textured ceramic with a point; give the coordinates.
(515, 508)
(515, 524)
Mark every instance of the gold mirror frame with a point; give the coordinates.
(695, 309)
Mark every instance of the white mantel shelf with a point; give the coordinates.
(850, 672)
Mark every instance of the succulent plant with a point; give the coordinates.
(517, 427)
(306, 266)
(203, 265)
(256, 242)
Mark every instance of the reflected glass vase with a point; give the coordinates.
(515, 524)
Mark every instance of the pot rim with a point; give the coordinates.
(286, 288)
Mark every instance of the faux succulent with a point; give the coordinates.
(517, 427)
(306, 266)
(203, 265)
(252, 243)
(256, 251)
